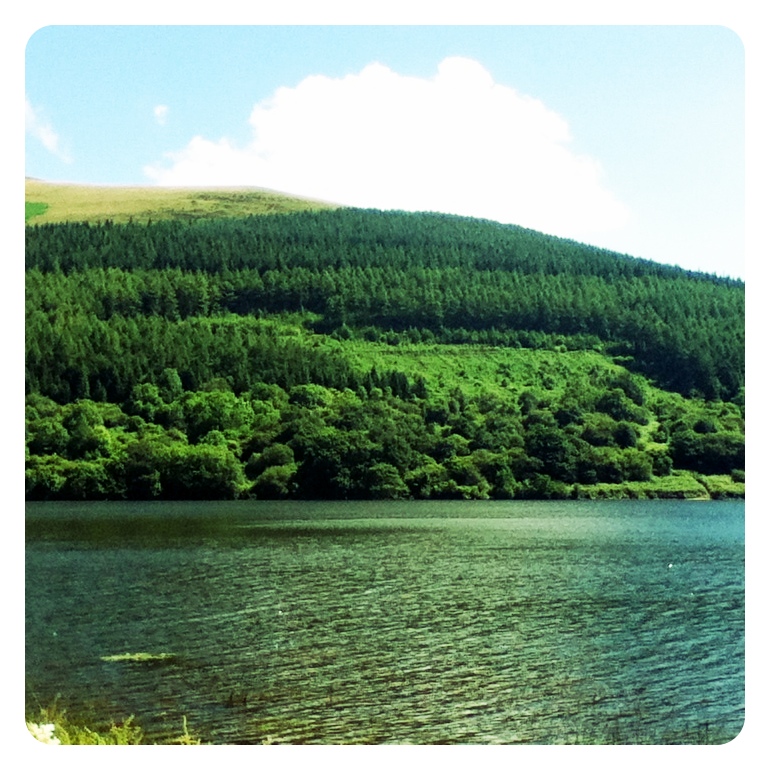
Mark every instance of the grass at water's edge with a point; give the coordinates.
(53, 726)
(680, 485)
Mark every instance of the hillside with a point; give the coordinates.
(346, 353)
(47, 202)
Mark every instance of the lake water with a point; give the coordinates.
(434, 622)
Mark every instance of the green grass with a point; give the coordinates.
(680, 485)
(723, 486)
(34, 209)
(53, 725)
(139, 657)
(48, 202)
(479, 369)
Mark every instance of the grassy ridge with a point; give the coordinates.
(49, 202)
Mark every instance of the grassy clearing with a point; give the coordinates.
(49, 202)
(477, 369)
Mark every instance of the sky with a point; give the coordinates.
(626, 137)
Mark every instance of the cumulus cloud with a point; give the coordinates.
(36, 125)
(161, 114)
(457, 142)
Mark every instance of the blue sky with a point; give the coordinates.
(627, 137)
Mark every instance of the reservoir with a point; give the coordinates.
(543, 622)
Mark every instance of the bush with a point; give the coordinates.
(709, 453)
(385, 483)
(275, 482)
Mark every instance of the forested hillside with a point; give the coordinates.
(350, 353)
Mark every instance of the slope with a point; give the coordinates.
(49, 202)
(348, 353)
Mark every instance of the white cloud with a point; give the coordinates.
(37, 126)
(161, 114)
(457, 143)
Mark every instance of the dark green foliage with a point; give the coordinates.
(235, 358)
(383, 481)
(428, 276)
(714, 453)
(625, 435)
(48, 437)
(619, 406)
(275, 482)
(338, 444)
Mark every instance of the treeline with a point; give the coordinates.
(165, 442)
(73, 356)
(366, 273)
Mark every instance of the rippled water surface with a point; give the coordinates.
(431, 622)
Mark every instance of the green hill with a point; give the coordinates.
(47, 202)
(349, 353)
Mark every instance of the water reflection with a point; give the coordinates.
(490, 623)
